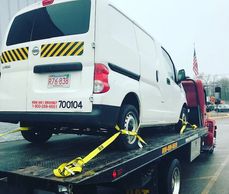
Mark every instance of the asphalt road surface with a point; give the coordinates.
(208, 174)
(6, 127)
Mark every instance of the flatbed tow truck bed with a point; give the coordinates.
(27, 165)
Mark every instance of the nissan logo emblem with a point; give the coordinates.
(35, 51)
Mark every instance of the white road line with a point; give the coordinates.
(199, 178)
(211, 183)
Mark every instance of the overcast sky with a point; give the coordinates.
(177, 24)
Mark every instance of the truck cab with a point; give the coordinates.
(196, 103)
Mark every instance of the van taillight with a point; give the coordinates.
(47, 2)
(101, 84)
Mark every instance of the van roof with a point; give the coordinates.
(110, 2)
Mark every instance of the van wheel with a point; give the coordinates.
(184, 117)
(36, 135)
(128, 120)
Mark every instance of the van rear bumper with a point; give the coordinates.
(102, 116)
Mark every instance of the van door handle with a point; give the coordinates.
(168, 81)
(157, 76)
(51, 68)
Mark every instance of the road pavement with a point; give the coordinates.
(6, 127)
(209, 174)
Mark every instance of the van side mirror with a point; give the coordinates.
(181, 75)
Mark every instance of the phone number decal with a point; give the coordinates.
(40, 104)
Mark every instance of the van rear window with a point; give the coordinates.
(57, 20)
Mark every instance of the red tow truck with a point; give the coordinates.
(196, 100)
(27, 169)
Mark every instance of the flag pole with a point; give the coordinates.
(194, 48)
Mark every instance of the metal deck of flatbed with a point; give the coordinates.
(21, 160)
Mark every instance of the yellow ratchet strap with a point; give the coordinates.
(131, 133)
(76, 166)
(184, 126)
(14, 131)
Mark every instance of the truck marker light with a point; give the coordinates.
(114, 174)
(47, 2)
(117, 173)
(101, 84)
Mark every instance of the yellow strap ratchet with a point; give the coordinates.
(14, 131)
(184, 126)
(76, 166)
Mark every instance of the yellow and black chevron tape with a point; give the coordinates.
(62, 49)
(47, 50)
(19, 54)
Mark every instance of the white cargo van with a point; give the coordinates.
(83, 64)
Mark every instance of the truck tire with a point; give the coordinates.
(36, 135)
(129, 120)
(184, 116)
(211, 151)
(170, 178)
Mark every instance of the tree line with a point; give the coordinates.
(211, 82)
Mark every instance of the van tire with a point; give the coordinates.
(184, 116)
(36, 135)
(128, 118)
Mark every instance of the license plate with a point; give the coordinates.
(59, 81)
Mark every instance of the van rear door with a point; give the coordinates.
(61, 58)
(14, 66)
(13, 82)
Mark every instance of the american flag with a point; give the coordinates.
(195, 64)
